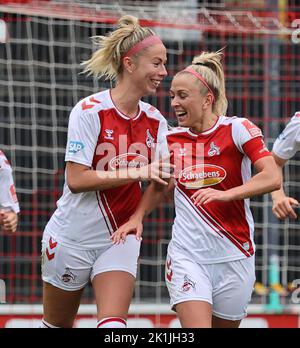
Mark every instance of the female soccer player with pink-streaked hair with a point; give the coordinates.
(113, 140)
(210, 268)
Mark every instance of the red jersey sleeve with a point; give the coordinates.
(255, 149)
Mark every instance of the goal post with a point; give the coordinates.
(42, 47)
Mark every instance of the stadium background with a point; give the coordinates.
(41, 46)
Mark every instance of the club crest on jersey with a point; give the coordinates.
(149, 139)
(214, 150)
(201, 175)
(128, 160)
(109, 134)
(188, 284)
(68, 276)
(13, 193)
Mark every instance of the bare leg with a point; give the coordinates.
(60, 306)
(218, 323)
(194, 314)
(113, 293)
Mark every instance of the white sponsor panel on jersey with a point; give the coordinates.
(128, 160)
(201, 175)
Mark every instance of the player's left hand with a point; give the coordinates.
(9, 221)
(204, 196)
(283, 207)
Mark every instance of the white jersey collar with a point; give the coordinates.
(208, 131)
(120, 113)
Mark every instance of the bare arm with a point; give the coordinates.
(81, 178)
(282, 205)
(266, 180)
(152, 197)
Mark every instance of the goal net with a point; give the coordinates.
(42, 46)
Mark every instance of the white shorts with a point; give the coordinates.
(226, 286)
(71, 269)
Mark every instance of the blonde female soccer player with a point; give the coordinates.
(111, 147)
(210, 270)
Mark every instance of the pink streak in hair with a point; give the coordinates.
(201, 78)
(148, 41)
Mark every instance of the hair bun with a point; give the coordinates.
(128, 20)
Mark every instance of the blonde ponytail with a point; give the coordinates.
(209, 66)
(107, 60)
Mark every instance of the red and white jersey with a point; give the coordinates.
(8, 196)
(101, 137)
(219, 158)
(288, 142)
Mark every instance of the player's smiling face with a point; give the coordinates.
(186, 100)
(150, 69)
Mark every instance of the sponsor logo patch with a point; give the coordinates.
(75, 146)
(198, 176)
(109, 134)
(128, 160)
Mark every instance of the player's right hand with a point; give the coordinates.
(283, 207)
(133, 225)
(157, 171)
